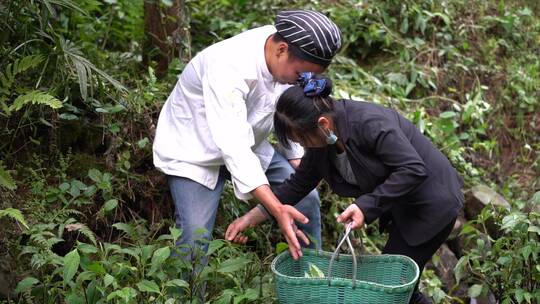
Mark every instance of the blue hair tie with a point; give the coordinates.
(312, 87)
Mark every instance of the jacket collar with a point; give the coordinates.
(342, 120)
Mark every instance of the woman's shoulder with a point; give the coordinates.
(362, 112)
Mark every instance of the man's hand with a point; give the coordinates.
(352, 213)
(285, 218)
(248, 220)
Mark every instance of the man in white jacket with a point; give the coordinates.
(215, 123)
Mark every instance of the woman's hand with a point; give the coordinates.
(352, 213)
(248, 220)
(295, 162)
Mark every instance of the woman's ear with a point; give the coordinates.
(324, 122)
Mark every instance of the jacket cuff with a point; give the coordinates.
(369, 206)
(296, 151)
(265, 212)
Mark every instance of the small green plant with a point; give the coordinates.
(313, 272)
(507, 266)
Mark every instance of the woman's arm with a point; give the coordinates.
(305, 178)
(299, 184)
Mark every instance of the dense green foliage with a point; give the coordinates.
(87, 219)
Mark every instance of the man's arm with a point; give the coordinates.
(226, 114)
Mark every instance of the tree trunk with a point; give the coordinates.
(167, 34)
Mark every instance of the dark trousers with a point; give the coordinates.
(420, 254)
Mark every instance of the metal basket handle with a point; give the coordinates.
(348, 229)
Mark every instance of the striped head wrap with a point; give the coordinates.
(317, 37)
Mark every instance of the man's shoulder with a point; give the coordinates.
(245, 40)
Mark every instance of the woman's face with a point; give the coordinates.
(316, 139)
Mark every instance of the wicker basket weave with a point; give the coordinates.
(367, 279)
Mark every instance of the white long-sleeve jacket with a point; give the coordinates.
(221, 112)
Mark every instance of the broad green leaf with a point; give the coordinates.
(159, 257)
(177, 283)
(146, 252)
(510, 221)
(249, 294)
(404, 26)
(314, 272)
(68, 116)
(519, 293)
(475, 290)
(126, 294)
(110, 205)
(127, 228)
(71, 264)
(460, 270)
(200, 231)
(97, 268)
(108, 280)
(535, 200)
(214, 245)
(94, 175)
(233, 265)
(175, 233)
(86, 248)
(85, 276)
(6, 180)
(448, 114)
(526, 251)
(504, 260)
(74, 298)
(143, 142)
(64, 187)
(534, 229)
(281, 246)
(25, 284)
(148, 286)
(90, 191)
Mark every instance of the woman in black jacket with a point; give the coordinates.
(373, 154)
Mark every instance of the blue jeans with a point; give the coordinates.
(196, 205)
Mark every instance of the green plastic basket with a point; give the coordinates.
(367, 279)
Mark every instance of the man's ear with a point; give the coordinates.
(282, 49)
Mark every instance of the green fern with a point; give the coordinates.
(7, 77)
(64, 214)
(82, 229)
(14, 214)
(6, 180)
(35, 97)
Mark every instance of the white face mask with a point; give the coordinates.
(331, 138)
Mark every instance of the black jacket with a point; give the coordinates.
(400, 173)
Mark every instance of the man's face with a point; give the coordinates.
(288, 69)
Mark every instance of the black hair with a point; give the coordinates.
(297, 115)
(294, 51)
